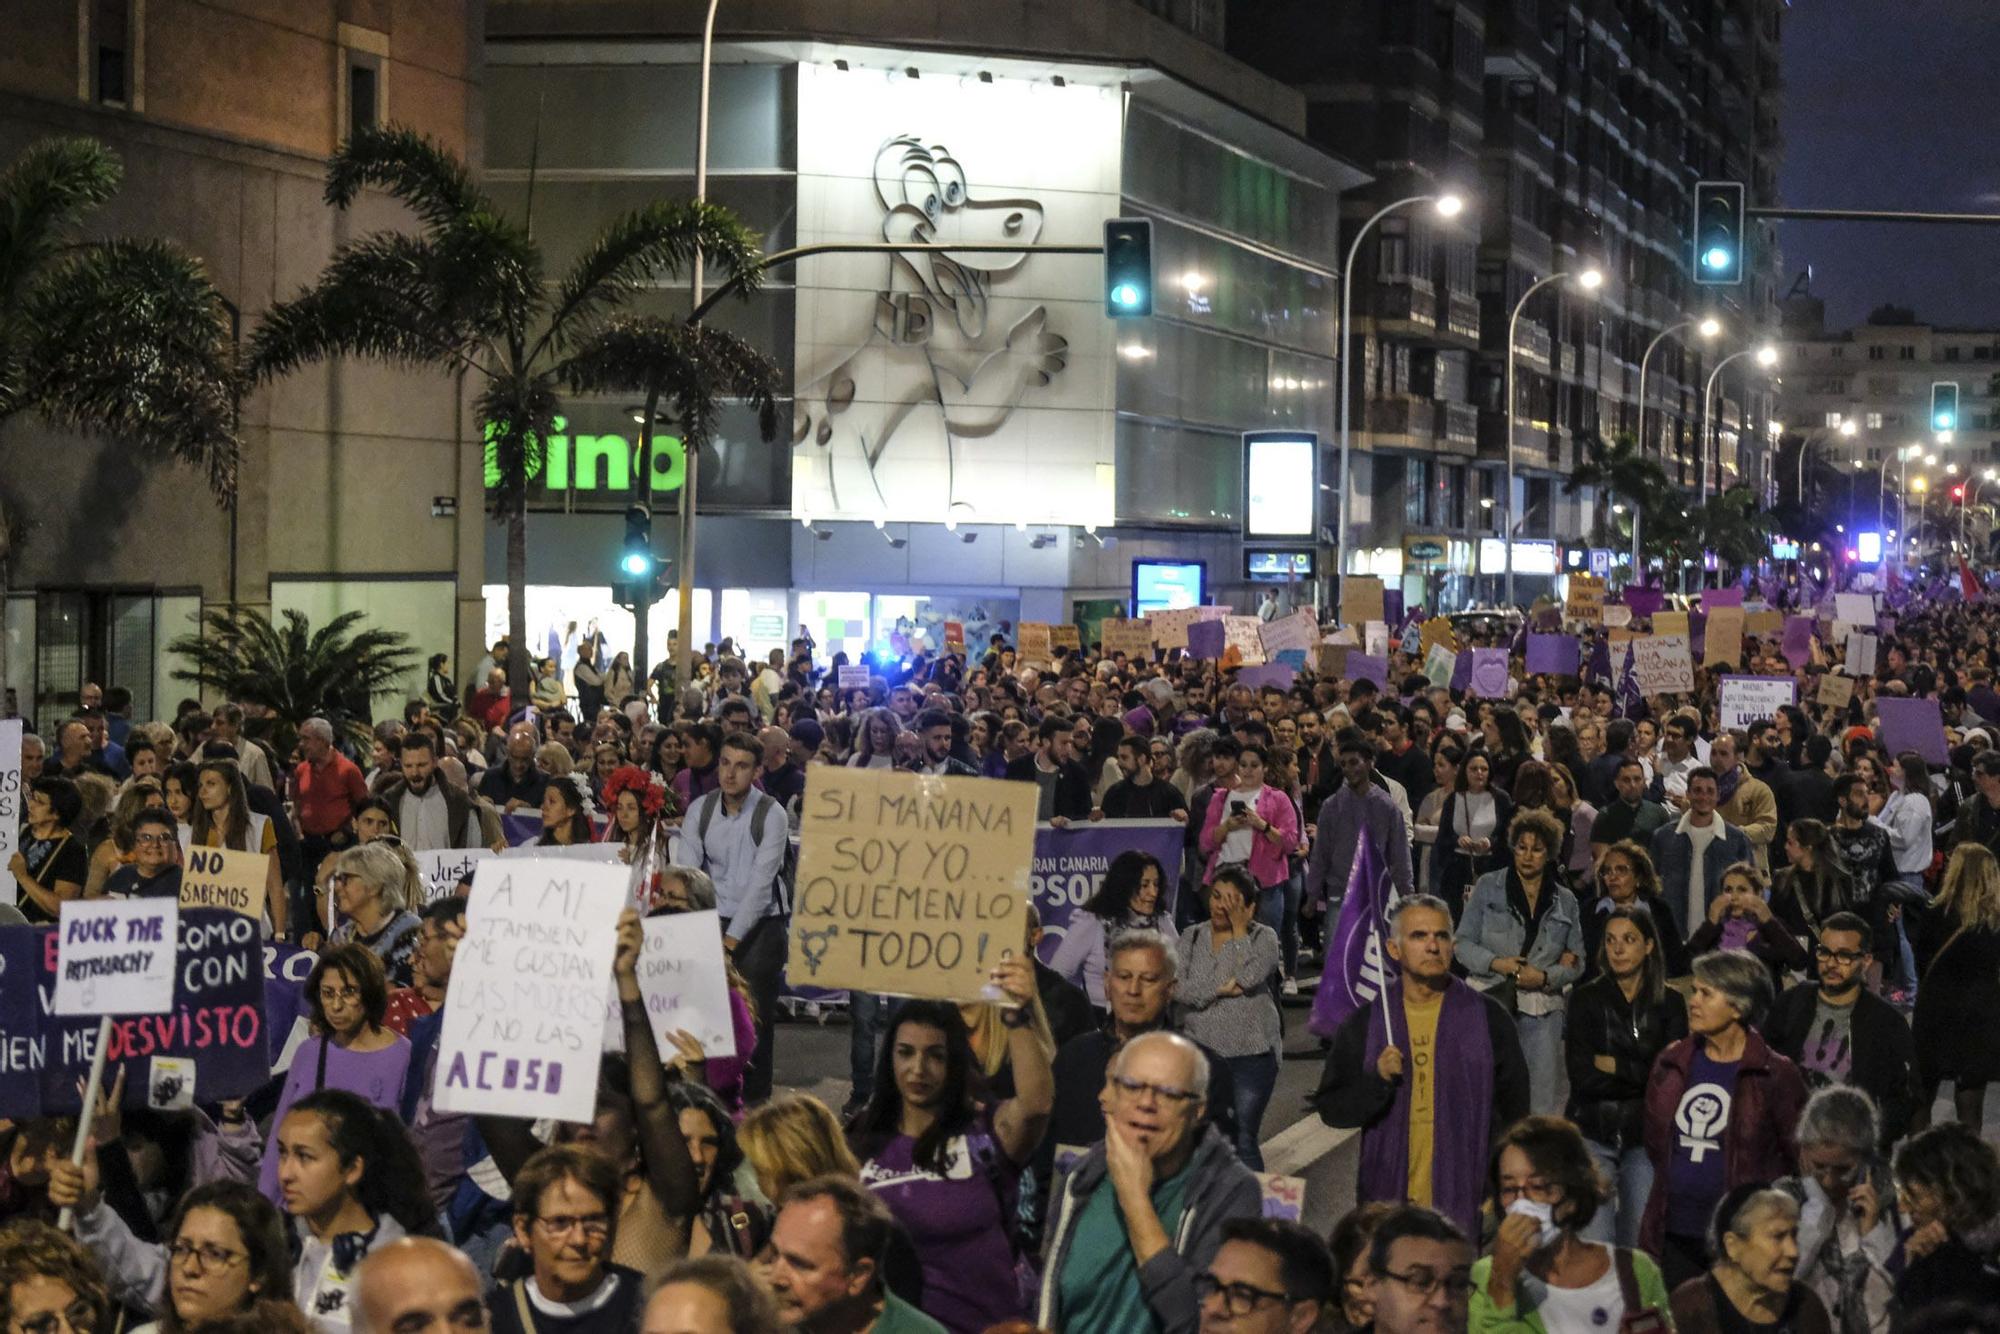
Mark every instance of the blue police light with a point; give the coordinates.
(1716, 257)
(637, 564)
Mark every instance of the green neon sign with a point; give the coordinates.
(597, 462)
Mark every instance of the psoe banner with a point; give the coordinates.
(1743, 700)
(1070, 865)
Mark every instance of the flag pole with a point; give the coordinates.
(1382, 992)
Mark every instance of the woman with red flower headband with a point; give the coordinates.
(636, 800)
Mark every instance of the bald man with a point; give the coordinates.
(778, 776)
(418, 1286)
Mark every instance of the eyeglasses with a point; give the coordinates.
(341, 994)
(80, 1318)
(1166, 1093)
(1237, 1298)
(154, 838)
(1457, 1285)
(1838, 956)
(561, 1225)
(211, 1257)
(1535, 1189)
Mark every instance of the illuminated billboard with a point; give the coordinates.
(1280, 486)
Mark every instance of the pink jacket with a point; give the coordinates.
(1267, 856)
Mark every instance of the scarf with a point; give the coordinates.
(1464, 1073)
(1726, 785)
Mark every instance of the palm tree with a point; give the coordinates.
(293, 671)
(1735, 528)
(1622, 469)
(467, 293)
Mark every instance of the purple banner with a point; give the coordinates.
(23, 1048)
(1070, 865)
(1205, 640)
(1392, 606)
(1357, 967)
(1798, 640)
(1913, 724)
(1270, 674)
(1553, 653)
(1489, 672)
(1711, 598)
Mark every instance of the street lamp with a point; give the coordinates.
(1707, 327)
(1849, 429)
(1589, 280)
(683, 661)
(1767, 357)
(1448, 206)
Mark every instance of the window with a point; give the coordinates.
(1833, 420)
(363, 92)
(108, 53)
(1874, 421)
(1874, 456)
(1906, 353)
(1951, 354)
(1878, 353)
(1838, 353)
(1415, 492)
(364, 105)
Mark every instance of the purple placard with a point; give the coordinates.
(1461, 671)
(1205, 640)
(1913, 724)
(1392, 606)
(1798, 640)
(1363, 667)
(1553, 653)
(1711, 598)
(1489, 672)
(1269, 674)
(1646, 600)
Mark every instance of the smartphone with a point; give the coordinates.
(1238, 807)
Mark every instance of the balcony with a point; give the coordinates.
(1461, 318)
(1402, 421)
(1405, 304)
(1531, 344)
(1458, 428)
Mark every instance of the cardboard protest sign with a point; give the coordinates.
(225, 878)
(1725, 637)
(1797, 646)
(1671, 623)
(1863, 650)
(1361, 599)
(608, 853)
(1913, 724)
(1437, 631)
(1743, 700)
(1205, 640)
(443, 868)
(1763, 624)
(684, 983)
(116, 956)
(523, 1029)
(853, 678)
(10, 807)
(1438, 663)
(1242, 634)
(1835, 691)
(212, 1042)
(909, 885)
(1330, 660)
(1066, 636)
(1553, 653)
(1170, 628)
(1037, 644)
(1617, 616)
(1132, 638)
(1299, 630)
(1283, 1197)
(1643, 600)
(1586, 600)
(1375, 638)
(1661, 664)
(1489, 672)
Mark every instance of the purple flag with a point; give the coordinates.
(1711, 598)
(1552, 653)
(1631, 703)
(1357, 967)
(1461, 671)
(1798, 640)
(1600, 660)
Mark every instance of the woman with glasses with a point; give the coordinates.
(154, 871)
(1626, 878)
(350, 1046)
(1753, 1238)
(373, 818)
(370, 892)
(1618, 1022)
(227, 1254)
(49, 1284)
(1543, 1275)
(1848, 1224)
(51, 865)
(117, 850)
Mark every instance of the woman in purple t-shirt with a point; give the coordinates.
(948, 1164)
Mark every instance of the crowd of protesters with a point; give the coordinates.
(1669, 1008)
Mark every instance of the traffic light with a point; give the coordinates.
(1944, 405)
(1128, 267)
(636, 563)
(1958, 492)
(1719, 217)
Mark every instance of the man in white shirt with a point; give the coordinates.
(1692, 853)
(430, 814)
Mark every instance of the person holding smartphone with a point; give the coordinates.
(1252, 828)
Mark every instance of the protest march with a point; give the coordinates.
(1616, 932)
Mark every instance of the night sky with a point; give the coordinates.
(1894, 104)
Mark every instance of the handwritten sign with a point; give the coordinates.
(1132, 638)
(1066, 636)
(1854, 608)
(1242, 634)
(116, 956)
(1662, 664)
(1375, 638)
(1489, 672)
(1586, 599)
(1438, 662)
(1300, 630)
(524, 1014)
(684, 983)
(1361, 599)
(1724, 644)
(1764, 624)
(225, 878)
(1835, 691)
(1170, 628)
(853, 678)
(1671, 623)
(909, 885)
(954, 636)
(443, 869)
(1037, 645)
(10, 807)
(1743, 700)
(1330, 660)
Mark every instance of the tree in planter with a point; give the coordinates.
(114, 336)
(291, 670)
(467, 293)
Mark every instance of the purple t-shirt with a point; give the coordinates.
(376, 1076)
(1701, 1119)
(957, 1225)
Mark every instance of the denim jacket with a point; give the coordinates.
(1493, 927)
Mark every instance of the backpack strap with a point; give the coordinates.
(708, 804)
(758, 811)
(1628, 1279)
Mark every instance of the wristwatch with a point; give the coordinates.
(1016, 1016)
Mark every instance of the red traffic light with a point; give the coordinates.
(1958, 493)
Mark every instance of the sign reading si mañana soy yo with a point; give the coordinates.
(909, 885)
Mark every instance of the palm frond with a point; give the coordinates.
(645, 244)
(291, 669)
(427, 177)
(373, 300)
(44, 194)
(692, 368)
(516, 413)
(128, 339)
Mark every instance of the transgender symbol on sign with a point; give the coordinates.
(1701, 1116)
(945, 355)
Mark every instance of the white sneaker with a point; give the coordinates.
(1290, 988)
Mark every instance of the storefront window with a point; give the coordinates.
(559, 617)
(757, 619)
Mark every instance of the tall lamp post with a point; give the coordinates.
(683, 661)
(1847, 428)
(1447, 206)
(1767, 357)
(1903, 456)
(1707, 327)
(1589, 280)
(1970, 501)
